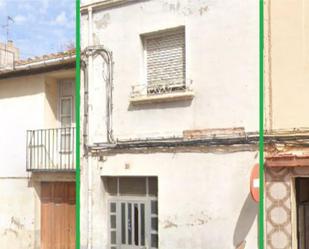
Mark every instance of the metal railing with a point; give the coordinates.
(51, 149)
(161, 87)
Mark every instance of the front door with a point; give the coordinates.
(57, 215)
(302, 192)
(133, 212)
(133, 223)
(133, 217)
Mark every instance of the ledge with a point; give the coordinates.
(104, 4)
(287, 160)
(161, 98)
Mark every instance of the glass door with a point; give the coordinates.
(67, 121)
(133, 224)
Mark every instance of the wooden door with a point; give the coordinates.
(57, 215)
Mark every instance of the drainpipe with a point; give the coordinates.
(90, 32)
(107, 55)
(89, 203)
(89, 53)
(89, 171)
(84, 67)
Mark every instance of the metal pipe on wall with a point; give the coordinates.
(89, 53)
(89, 169)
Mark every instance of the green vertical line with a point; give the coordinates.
(261, 127)
(77, 105)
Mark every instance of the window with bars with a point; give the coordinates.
(165, 59)
(133, 212)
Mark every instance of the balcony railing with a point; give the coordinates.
(51, 149)
(161, 88)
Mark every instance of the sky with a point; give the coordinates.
(40, 26)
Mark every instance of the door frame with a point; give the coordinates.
(294, 209)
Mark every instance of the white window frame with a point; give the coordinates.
(71, 110)
(64, 130)
(118, 199)
(61, 96)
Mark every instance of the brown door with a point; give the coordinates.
(57, 215)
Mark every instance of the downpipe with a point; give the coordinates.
(89, 53)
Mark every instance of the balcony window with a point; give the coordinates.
(66, 115)
(66, 100)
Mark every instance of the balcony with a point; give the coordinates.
(163, 91)
(51, 150)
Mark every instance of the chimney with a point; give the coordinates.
(8, 55)
(10, 44)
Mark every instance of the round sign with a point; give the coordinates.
(255, 183)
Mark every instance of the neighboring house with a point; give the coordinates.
(287, 124)
(170, 118)
(37, 131)
(9, 54)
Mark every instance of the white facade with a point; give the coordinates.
(203, 191)
(28, 101)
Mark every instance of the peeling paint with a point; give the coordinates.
(103, 21)
(18, 226)
(10, 230)
(169, 224)
(194, 220)
(203, 9)
(200, 221)
(15, 221)
(174, 7)
(185, 10)
(96, 39)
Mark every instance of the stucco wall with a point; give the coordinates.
(51, 103)
(204, 198)
(21, 109)
(18, 207)
(201, 197)
(287, 37)
(222, 61)
(26, 103)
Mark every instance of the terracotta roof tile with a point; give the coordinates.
(45, 57)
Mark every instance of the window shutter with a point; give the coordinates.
(166, 58)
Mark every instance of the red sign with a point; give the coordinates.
(255, 182)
